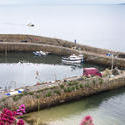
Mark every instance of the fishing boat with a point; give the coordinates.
(40, 53)
(73, 59)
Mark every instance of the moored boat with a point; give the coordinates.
(73, 59)
(40, 53)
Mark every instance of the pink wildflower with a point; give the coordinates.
(87, 120)
(20, 122)
(7, 117)
(21, 110)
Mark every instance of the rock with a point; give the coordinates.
(115, 71)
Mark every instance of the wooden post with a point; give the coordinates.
(6, 50)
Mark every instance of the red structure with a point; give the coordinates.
(91, 72)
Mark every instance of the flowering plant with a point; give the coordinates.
(87, 120)
(20, 122)
(7, 117)
(21, 110)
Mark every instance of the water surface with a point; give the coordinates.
(95, 25)
(100, 26)
(105, 108)
(20, 69)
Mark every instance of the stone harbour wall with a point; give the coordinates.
(63, 91)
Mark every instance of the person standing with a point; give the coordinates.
(75, 41)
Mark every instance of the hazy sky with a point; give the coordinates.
(2, 2)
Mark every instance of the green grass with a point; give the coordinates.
(73, 88)
(72, 82)
(81, 85)
(31, 93)
(101, 80)
(57, 92)
(48, 94)
(68, 89)
(16, 98)
(69, 83)
(77, 87)
(37, 96)
(61, 86)
(94, 81)
(87, 85)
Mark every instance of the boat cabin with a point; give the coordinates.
(91, 72)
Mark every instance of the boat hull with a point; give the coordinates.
(39, 54)
(71, 62)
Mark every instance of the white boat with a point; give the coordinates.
(30, 25)
(73, 59)
(40, 53)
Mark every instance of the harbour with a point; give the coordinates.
(37, 42)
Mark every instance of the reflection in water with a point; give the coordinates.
(96, 25)
(106, 108)
(29, 58)
(21, 69)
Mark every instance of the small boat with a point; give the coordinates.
(30, 25)
(40, 53)
(73, 59)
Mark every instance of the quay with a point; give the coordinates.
(29, 43)
(46, 94)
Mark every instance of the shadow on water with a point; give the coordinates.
(28, 57)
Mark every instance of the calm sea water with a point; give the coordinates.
(100, 26)
(19, 69)
(105, 108)
(95, 25)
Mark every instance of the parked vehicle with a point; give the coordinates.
(73, 59)
(91, 72)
